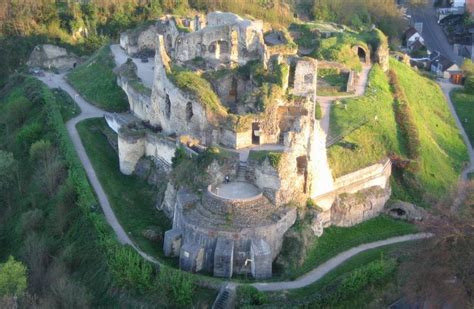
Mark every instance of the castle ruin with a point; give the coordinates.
(260, 107)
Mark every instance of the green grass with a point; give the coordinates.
(353, 264)
(69, 108)
(199, 87)
(442, 151)
(338, 239)
(332, 83)
(97, 83)
(464, 105)
(132, 199)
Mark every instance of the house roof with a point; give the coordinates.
(445, 62)
(410, 32)
(417, 45)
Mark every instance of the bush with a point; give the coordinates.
(178, 286)
(469, 84)
(250, 296)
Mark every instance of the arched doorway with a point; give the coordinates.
(362, 53)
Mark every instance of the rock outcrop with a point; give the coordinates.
(49, 56)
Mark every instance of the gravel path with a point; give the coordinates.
(90, 111)
(333, 263)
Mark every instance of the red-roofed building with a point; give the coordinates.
(470, 6)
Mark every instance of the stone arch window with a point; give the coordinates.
(169, 43)
(224, 47)
(212, 47)
(308, 78)
(189, 111)
(168, 107)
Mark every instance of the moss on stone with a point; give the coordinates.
(199, 87)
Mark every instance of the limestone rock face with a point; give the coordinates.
(405, 211)
(382, 57)
(169, 201)
(139, 41)
(49, 56)
(351, 209)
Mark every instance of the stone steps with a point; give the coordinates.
(225, 298)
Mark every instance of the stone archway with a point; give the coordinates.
(363, 53)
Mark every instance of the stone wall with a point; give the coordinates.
(305, 78)
(49, 56)
(139, 101)
(131, 149)
(194, 231)
(351, 209)
(142, 40)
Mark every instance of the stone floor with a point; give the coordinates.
(236, 190)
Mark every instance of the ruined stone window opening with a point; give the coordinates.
(169, 43)
(308, 79)
(224, 47)
(301, 164)
(212, 47)
(168, 107)
(189, 111)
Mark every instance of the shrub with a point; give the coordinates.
(469, 84)
(12, 278)
(250, 296)
(178, 286)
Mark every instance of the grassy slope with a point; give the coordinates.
(132, 199)
(442, 150)
(464, 105)
(376, 139)
(337, 239)
(381, 294)
(96, 82)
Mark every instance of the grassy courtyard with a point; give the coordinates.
(97, 83)
(132, 199)
(464, 105)
(442, 151)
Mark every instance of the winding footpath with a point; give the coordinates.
(447, 87)
(89, 111)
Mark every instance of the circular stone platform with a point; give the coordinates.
(236, 190)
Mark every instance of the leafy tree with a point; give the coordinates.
(468, 67)
(469, 84)
(176, 285)
(12, 278)
(8, 171)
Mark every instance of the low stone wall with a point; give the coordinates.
(222, 206)
(196, 231)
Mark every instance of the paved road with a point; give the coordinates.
(434, 37)
(90, 111)
(447, 87)
(333, 263)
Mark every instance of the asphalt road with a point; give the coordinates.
(432, 33)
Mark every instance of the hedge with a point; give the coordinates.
(129, 269)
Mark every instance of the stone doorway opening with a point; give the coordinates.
(256, 133)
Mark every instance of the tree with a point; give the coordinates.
(8, 172)
(12, 278)
(469, 84)
(468, 67)
(442, 268)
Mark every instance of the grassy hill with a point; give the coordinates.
(464, 105)
(97, 83)
(442, 151)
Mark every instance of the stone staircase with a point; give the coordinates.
(225, 298)
(242, 172)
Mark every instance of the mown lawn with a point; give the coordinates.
(97, 83)
(464, 105)
(442, 151)
(338, 239)
(132, 199)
